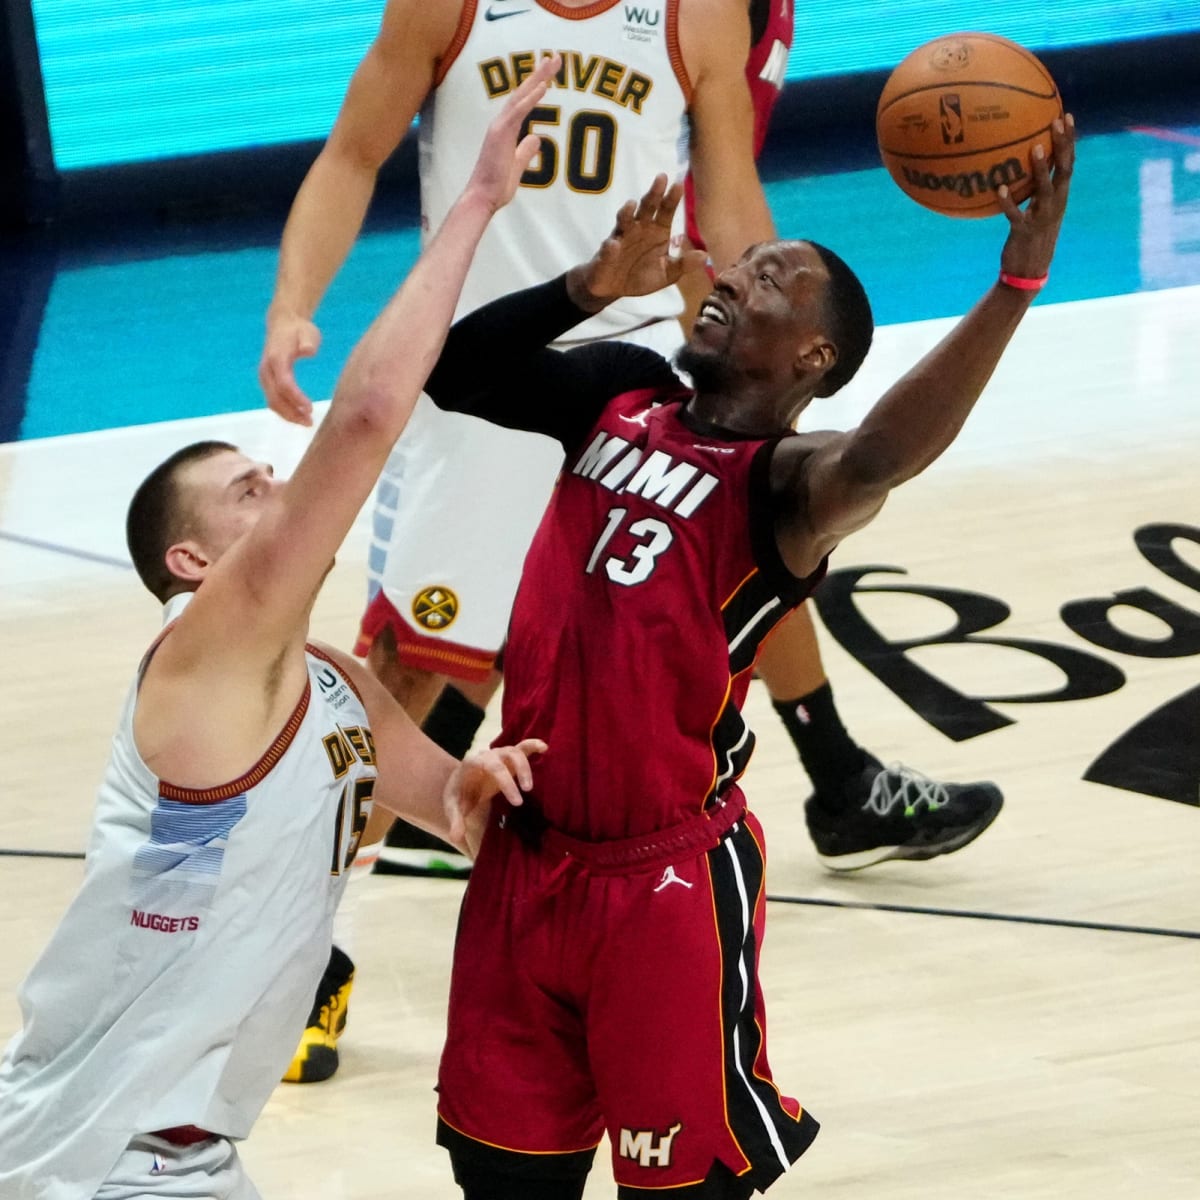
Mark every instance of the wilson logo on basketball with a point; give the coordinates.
(435, 608)
(967, 183)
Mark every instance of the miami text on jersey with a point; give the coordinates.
(679, 486)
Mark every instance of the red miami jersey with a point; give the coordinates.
(649, 588)
(772, 30)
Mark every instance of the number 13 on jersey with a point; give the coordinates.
(654, 537)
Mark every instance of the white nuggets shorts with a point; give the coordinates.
(455, 511)
(151, 1166)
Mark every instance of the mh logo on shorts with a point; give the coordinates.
(648, 1147)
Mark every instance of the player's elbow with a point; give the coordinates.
(346, 157)
(369, 410)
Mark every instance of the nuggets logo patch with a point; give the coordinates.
(435, 608)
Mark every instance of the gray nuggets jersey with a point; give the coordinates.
(613, 118)
(175, 987)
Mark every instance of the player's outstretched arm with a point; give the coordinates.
(841, 485)
(424, 785)
(385, 93)
(257, 596)
(731, 209)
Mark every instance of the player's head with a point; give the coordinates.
(787, 315)
(189, 510)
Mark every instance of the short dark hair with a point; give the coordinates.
(851, 325)
(156, 519)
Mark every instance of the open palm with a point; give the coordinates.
(635, 259)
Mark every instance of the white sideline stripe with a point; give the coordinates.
(754, 620)
(772, 1132)
(728, 772)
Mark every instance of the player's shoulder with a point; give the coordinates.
(792, 453)
(340, 676)
(349, 668)
(416, 26)
(626, 364)
(713, 16)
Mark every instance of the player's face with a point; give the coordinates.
(762, 314)
(224, 496)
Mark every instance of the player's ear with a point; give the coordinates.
(187, 561)
(815, 358)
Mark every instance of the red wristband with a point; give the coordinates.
(1022, 283)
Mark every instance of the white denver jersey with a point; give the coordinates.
(175, 988)
(613, 119)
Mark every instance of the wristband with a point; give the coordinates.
(1022, 283)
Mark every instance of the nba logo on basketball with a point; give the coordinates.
(950, 108)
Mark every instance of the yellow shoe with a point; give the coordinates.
(317, 1056)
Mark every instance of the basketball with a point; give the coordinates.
(959, 118)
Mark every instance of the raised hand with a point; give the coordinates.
(480, 776)
(502, 159)
(635, 259)
(289, 337)
(1033, 230)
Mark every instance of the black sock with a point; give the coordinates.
(829, 754)
(453, 722)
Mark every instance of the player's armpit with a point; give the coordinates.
(821, 492)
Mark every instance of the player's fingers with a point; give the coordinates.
(1041, 173)
(649, 204)
(1008, 205)
(532, 746)
(625, 217)
(284, 396)
(685, 263)
(1063, 133)
(532, 89)
(518, 766)
(670, 202)
(505, 784)
(526, 149)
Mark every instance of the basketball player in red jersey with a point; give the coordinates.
(605, 968)
(860, 813)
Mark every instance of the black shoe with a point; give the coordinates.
(896, 812)
(316, 1058)
(408, 850)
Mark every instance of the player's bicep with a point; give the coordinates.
(391, 82)
(731, 209)
(413, 771)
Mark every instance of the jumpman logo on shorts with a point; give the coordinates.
(669, 876)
